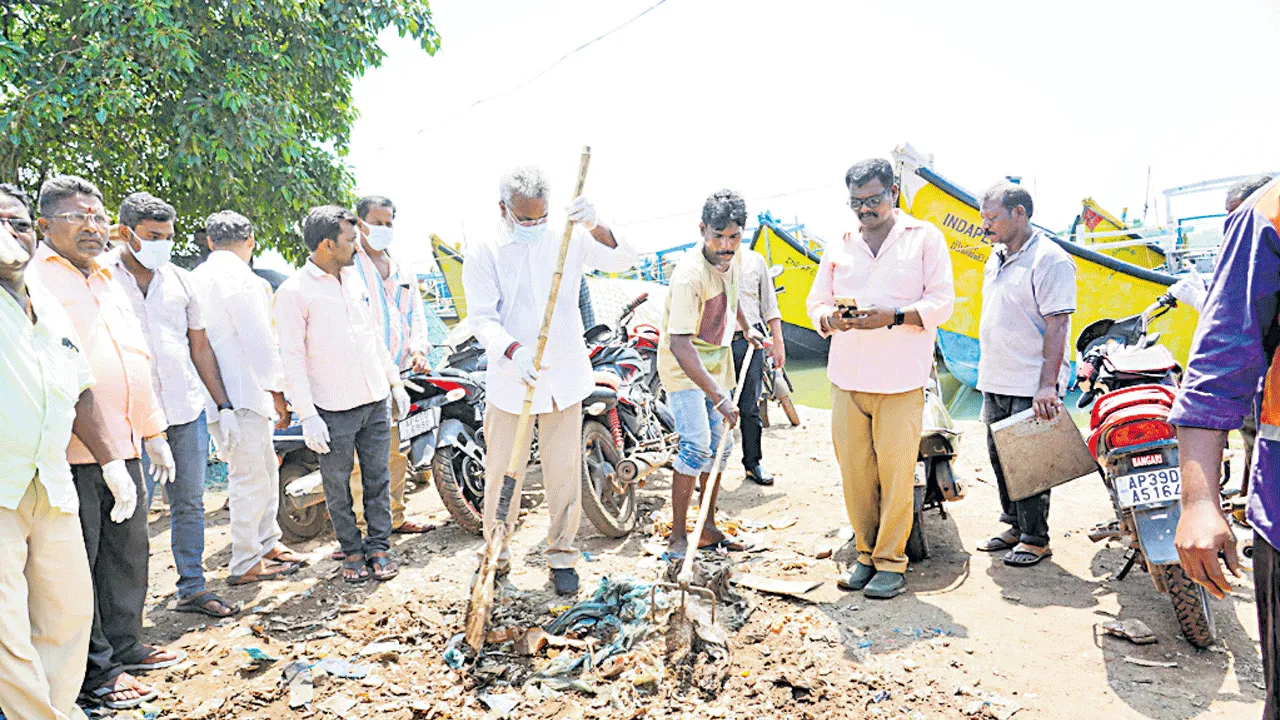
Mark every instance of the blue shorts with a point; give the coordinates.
(699, 425)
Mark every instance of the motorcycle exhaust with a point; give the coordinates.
(638, 466)
(306, 491)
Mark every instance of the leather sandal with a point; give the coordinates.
(383, 567)
(1025, 555)
(1002, 542)
(263, 571)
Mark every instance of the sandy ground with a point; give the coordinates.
(970, 638)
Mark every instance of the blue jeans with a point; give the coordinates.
(699, 425)
(190, 446)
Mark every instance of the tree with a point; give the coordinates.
(209, 104)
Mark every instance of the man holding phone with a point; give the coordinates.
(880, 294)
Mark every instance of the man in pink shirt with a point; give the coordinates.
(880, 294)
(338, 377)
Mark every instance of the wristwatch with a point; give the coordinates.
(899, 317)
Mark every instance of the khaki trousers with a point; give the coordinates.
(877, 440)
(253, 490)
(46, 609)
(399, 468)
(560, 450)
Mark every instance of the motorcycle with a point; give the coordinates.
(1131, 379)
(458, 462)
(935, 480)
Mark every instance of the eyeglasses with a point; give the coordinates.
(80, 218)
(18, 224)
(874, 201)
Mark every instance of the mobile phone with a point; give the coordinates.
(846, 304)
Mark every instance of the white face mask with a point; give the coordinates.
(154, 253)
(526, 234)
(380, 237)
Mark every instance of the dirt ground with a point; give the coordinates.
(970, 638)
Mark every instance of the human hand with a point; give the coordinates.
(1046, 403)
(419, 362)
(523, 359)
(582, 212)
(283, 416)
(779, 353)
(228, 430)
(316, 434)
(400, 402)
(755, 338)
(118, 480)
(728, 410)
(839, 322)
(1204, 537)
(161, 457)
(872, 317)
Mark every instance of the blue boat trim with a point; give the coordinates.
(961, 354)
(767, 221)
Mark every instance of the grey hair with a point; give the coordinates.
(1009, 194)
(144, 206)
(227, 228)
(526, 181)
(369, 202)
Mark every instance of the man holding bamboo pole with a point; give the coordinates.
(508, 280)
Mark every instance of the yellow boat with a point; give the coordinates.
(449, 260)
(798, 254)
(1096, 226)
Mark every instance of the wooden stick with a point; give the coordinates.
(686, 570)
(482, 592)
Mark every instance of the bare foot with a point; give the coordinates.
(710, 536)
(678, 545)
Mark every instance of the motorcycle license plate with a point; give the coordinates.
(419, 423)
(1151, 486)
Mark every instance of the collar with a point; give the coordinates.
(312, 269)
(1005, 258)
(901, 224)
(366, 257)
(46, 253)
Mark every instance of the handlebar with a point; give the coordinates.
(631, 306)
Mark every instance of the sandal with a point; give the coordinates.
(263, 571)
(727, 543)
(1004, 541)
(354, 563)
(409, 527)
(383, 567)
(200, 602)
(1025, 555)
(120, 684)
(175, 657)
(338, 555)
(282, 554)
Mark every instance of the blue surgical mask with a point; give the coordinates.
(527, 234)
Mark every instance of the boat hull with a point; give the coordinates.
(449, 259)
(799, 261)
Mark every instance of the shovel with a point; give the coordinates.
(480, 606)
(684, 581)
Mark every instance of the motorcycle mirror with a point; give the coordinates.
(775, 271)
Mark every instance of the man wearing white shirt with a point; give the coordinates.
(182, 366)
(507, 279)
(238, 321)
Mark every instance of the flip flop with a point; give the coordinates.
(270, 570)
(1006, 540)
(728, 543)
(409, 527)
(178, 656)
(284, 555)
(99, 695)
(1025, 555)
(356, 562)
(198, 604)
(383, 567)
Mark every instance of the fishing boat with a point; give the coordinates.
(1099, 230)
(449, 260)
(1106, 287)
(798, 253)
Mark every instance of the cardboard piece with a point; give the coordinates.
(1037, 455)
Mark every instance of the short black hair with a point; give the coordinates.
(1010, 195)
(144, 206)
(1241, 191)
(369, 202)
(864, 171)
(16, 193)
(57, 189)
(324, 223)
(723, 207)
(227, 227)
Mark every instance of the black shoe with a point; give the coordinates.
(566, 581)
(759, 475)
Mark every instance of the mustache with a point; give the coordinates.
(989, 233)
(726, 253)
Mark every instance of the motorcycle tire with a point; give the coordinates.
(303, 524)
(448, 467)
(1190, 606)
(613, 513)
(917, 544)
(790, 409)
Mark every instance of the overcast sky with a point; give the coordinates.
(776, 100)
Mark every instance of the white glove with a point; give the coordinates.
(523, 359)
(400, 402)
(316, 434)
(229, 429)
(161, 457)
(581, 211)
(122, 488)
(1190, 290)
(11, 251)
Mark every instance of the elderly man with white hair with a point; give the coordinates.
(508, 280)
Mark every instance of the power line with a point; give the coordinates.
(566, 56)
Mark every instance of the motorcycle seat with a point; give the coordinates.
(1129, 397)
(1127, 414)
(608, 379)
(1154, 360)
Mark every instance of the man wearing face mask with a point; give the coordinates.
(339, 377)
(880, 294)
(507, 278)
(404, 321)
(182, 366)
(74, 225)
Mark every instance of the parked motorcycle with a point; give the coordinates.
(935, 480)
(1131, 381)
